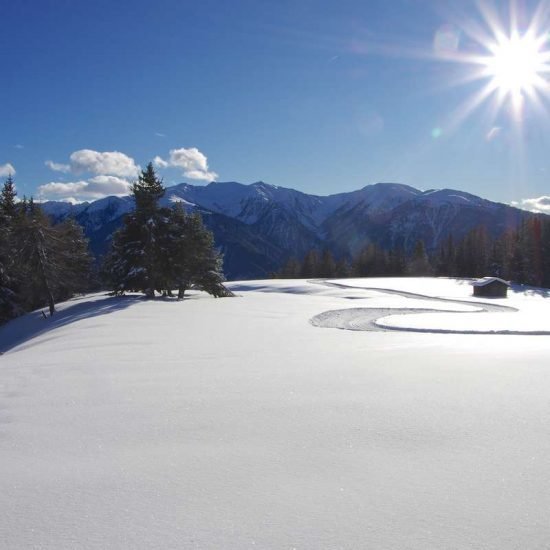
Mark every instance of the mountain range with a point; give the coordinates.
(259, 226)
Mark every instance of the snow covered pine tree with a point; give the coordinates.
(160, 249)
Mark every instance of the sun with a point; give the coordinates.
(507, 51)
(517, 65)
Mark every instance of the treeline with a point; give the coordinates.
(371, 261)
(40, 264)
(157, 250)
(521, 255)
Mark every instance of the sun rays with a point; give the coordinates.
(510, 58)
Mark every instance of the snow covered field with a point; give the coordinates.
(246, 423)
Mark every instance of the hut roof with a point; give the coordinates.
(488, 280)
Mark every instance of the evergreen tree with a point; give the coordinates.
(55, 260)
(419, 264)
(372, 261)
(9, 302)
(147, 192)
(545, 252)
(343, 269)
(123, 266)
(397, 262)
(134, 262)
(7, 200)
(74, 259)
(327, 267)
(310, 265)
(158, 249)
(290, 270)
(445, 262)
(192, 260)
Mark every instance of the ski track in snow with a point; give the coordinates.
(368, 319)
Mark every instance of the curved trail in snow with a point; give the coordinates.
(365, 318)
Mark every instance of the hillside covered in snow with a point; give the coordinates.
(366, 413)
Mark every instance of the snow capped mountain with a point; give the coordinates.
(440, 197)
(102, 211)
(258, 226)
(59, 209)
(246, 203)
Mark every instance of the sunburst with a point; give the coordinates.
(517, 67)
(512, 60)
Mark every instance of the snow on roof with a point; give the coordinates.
(487, 280)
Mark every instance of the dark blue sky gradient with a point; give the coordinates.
(322, 96)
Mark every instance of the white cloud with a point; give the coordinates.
(161, 163)
(58, 167)
(6, 169)
(111, 163)
(540, 205)
(110, 185)
(192, 162)
(92, 189)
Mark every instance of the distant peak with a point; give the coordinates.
(225, 183)
(391, 185)
(264, 185)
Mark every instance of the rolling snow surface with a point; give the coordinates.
(237, 423)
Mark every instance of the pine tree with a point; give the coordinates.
(310, 265)
(445, 262)
(55, 259)
(7, 199)
(343, 269)
(74, 259)
(370, 262)
(545, 253)
(134, 261)
(327, 267)
(290, 270)
(9, 303)
(419, 264)
(147, 192)
(158, 249)
(192, 260)
(397, 262)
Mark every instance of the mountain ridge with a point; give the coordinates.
(258, 226)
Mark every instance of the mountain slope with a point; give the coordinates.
(259, 226)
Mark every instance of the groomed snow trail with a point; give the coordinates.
(370, 319)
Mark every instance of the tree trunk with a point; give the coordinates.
(51, 303)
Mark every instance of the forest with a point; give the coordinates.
(521, 255)
(157, 250)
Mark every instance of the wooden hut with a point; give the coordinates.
(491, 287)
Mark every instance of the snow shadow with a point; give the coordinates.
(34, 324)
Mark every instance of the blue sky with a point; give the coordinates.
(317, 95)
